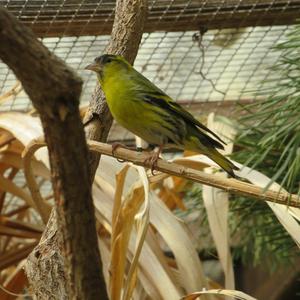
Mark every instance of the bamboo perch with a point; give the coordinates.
(230, 185)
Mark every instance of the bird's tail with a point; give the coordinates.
(222, 161)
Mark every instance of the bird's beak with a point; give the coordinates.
(93, 67)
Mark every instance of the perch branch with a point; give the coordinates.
(230, 185)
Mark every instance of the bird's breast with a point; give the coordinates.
(131, 113)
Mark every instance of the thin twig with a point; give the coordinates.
(230, 185)
(43, 208)
(14, 91)
(12, 293)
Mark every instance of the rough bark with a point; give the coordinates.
(47, 279)
(125, 39)
(55, 91)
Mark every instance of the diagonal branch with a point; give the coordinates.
(230, 185)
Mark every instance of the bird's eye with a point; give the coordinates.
(104, 59)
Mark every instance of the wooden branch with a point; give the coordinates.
(230, 185)
(55, 91)
(90, 18)
(24, 234)
(12, 257)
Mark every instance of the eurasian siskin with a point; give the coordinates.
(145, 110)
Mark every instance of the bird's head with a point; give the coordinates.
(107, 64)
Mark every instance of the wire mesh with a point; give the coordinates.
(200, 52)
(173, 60)
(196, 51)
(93, 17)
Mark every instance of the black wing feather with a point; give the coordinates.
(158, 99)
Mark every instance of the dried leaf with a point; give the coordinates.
(141, 224)
(173, 230)
(151, 271)
(284, 214)
(122, 228)
(234, 294)
(25, 128)
(216, 202)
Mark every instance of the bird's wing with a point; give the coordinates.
(152, 94)
(189, 117)
(162, 100)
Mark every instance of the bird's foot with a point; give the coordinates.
(152, 159)
(117, 145)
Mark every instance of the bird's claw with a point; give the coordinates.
(115, 146)
(120, 160)
(152, 161)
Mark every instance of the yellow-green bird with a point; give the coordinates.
(145, 110)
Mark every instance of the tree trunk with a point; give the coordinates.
(55, 91)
